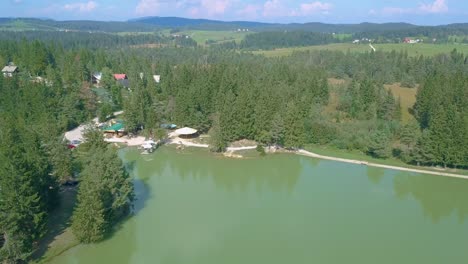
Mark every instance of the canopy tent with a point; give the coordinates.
(186, 132)
(114, 128)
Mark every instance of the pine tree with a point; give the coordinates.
(26, 189)
(379, 145)
(294, 135)
(105, 195)
(277, 130)
(217, 143)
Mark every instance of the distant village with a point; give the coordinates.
(406, 40)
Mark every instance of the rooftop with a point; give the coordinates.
(9, 69)
(186, 131)
(120, 76)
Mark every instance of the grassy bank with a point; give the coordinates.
(357, 155)
(60, 237)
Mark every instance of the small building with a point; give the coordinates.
(9, 70)
(96, 78)
(186, 132)
(168, 126)
(120, 76)
(157, 78)
(116, 129)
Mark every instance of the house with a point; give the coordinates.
(9, 70)
(96, 78)
(410, 41)
(157, 78)
(120, 76)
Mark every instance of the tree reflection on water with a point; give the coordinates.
(438, 196)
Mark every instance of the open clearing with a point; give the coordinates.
(412, 49)
(407, 97)
(202, 36)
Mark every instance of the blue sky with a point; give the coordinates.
(423, 12)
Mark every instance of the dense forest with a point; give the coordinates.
(230, 95)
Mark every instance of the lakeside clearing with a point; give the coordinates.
(412, 49)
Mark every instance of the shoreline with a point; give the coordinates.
(305, 153)
(137, 141)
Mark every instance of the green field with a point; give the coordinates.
(20, 25)
(202, 36)
(412, 49)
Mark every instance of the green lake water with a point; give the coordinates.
(200, 208)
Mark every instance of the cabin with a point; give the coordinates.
(157, 78)
(186, 132)
(120, 76)
(116, 129)
(96, 78)
(9, 70)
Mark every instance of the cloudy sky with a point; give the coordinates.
(425, 12)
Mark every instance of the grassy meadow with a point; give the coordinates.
(412, 49)
(202, 36)
(407, 99)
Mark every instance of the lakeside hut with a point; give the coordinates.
(186, 132)
(9, 71)
(116, 129)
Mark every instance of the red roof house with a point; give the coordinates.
(120, 76)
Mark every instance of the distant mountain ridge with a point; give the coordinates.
(188, 23)
(149, 24)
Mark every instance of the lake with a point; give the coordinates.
(195, 207)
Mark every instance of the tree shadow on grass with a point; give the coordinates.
(59, 220)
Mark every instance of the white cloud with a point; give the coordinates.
(81, 7)
(274, 8)
(204, 8)
(315, 7)
(439, 6)
(147, 7)
(209, 7)
(396, 11)
(436, 7)
(249, 11)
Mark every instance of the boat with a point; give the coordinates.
(149, 146)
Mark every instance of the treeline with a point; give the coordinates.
(442, 34)
(442, 112)
(83, 25)
(76, 40)
(283, 39)
(230, 95)
(383, 67)
(34, 159)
